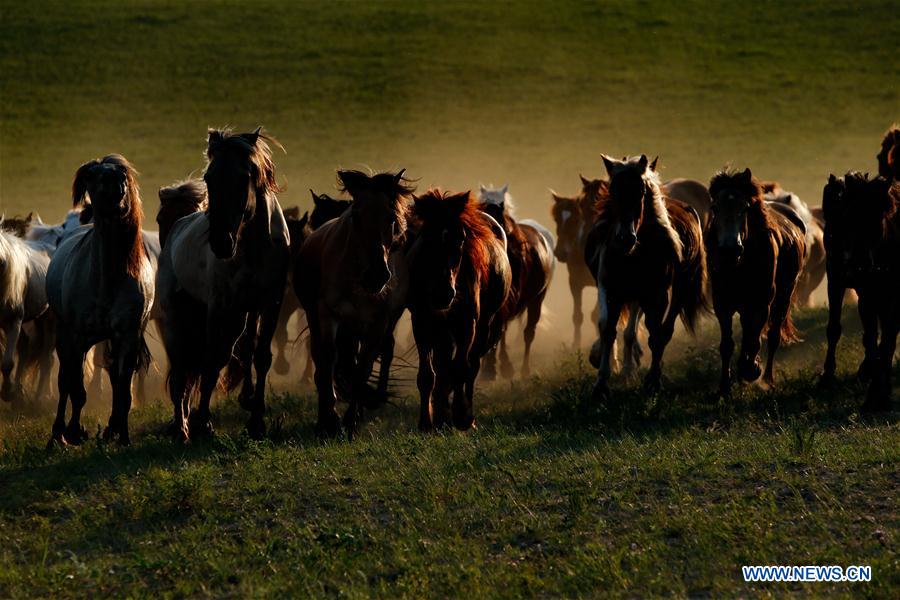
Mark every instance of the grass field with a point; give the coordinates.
(551, 496)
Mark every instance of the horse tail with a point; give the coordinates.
(691, 286)
(789, 332)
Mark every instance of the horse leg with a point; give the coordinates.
(869, 316)
(533, 317)
(442, 360)
(308, 370)
(463, 416)
(836, 291)
(490, 365)
(98, 359)
(506, 367)
(180, 396)
(878, 396)
(223, 329)
(72, 377)
(384, 369)
(46, 362)
(778, 313)
(610, 309)
(425, 376)
(577, 317)
(280, 337)
(323, 332)
(10, 391)
(660, 326)
(633, 350)
(262, 361)
(245, 348)
(65, 365)
(752, 324)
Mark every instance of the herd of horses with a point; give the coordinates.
(228, 268)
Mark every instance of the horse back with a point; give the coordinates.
(692, 193)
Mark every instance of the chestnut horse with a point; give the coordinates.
(756, 255)
(458, 262)
(889, 155)
(529, 247)
(647, 251)
(872, 215)
(346, 279)
(100, 287)
(222, 274)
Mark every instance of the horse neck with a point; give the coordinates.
(256, 237)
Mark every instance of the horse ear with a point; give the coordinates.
(608, 163)
(654, 162)
(556, 197)
(252, 137)
(213, 136)
(584, 180)
(399, 176)
(747, 175)
(35, 219)
(352, 180)
(831, 178)
(504, 189)
(315, 197)
(481, 189)
(643, 162)
(458, 202)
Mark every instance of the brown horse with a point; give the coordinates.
(889, 156)
(872, 215)
(100, 287)
(463, 279)
(325, 208)
(529, 247)
(222, 274)
(346, 279)
(643, 250)
(755, 255)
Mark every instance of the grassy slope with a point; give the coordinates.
(550, 496)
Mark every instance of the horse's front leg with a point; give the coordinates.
(532, 318)
(868, 314)
(836, 291)
(123, 362)
(463, 367)
(360, 392)
(223, 328)
(423, 332)
(878, 397)
(575, 288)
(506, 366)
(245, 349)
(660, 325)
(753, 319)
(71, 384)
(725, 316)
(262, 361)
(610, 309)
(9, 391)
(280, 336)
(633, 350)
(323, 334)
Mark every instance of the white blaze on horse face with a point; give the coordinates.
(564, 217)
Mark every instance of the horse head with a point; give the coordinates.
(735, 196)
(378, 221)
(629, 189)
(325, 208)
(239, 176)
(566, 215)
(497, 203)
(107, 188)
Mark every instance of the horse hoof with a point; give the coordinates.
(600, 394)
(594, 355)
(256, 429)
(507, 371)
(464, 422)
(652, 383)
(198, 427)
(749, 371)
(426, 426)
(281, 366)
(864, 373)
(328, 426)
(75, 436)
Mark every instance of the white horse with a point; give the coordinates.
(100, 287)
(23, 302)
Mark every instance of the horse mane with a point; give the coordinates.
(13, 274)
(255, 148)
(758, 218)
(594, 193)
(179, 200)
(438, 207)
(393, 185)
(129, 223)
(890, 146)
(16, 225)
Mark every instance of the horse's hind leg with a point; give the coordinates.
(609, 322)
(577, 316)
(280, 336)
(322, 335)
(633, 350)
(245, 349)
(10, 391)
(836, 291)
(461, 371)
(71, 384)
(660, 327)
(490, 364)
(878, 397)
(533, 317)
(869, 318)
(122, 367)
(778, 314)
(506, 367)
(262, 361)
(425, 376)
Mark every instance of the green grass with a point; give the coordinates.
(550, 496)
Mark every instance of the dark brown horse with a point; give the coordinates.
(345, 278)
(889, 156)
(647, 251)
(462, 280)
(871, 217)
(529, 247)
(221, 277)
(755, 255)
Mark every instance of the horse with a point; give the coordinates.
(889, 155)
(872, 235)
(25, 322)
(179, 200)
(814, 270)
(222, 274)
(529, 247)
(459, 263)
(100, 287)
(345, 278)
(691, 192)
(647, 251)
(755, 257)
(53, 235)
(325, 208)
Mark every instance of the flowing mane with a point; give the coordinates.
(435, 208)
(395, 186)
(13, 274)
(889, 156)
(127, 225)
(256, 151)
